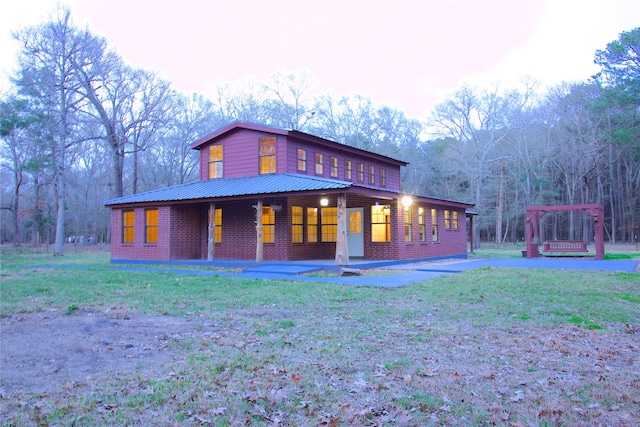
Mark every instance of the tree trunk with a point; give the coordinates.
(211, 232)
(342, 245)
(259, 232)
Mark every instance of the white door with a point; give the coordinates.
(355, 238)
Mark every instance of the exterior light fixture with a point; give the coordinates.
(407, 201)
(324, 202)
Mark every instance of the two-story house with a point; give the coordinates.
(273, 194)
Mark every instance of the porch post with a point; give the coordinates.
(259, 235)
(342, 243)
(212, 231)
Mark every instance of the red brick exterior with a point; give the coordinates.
(183, 233)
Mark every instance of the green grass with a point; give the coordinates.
(457, 349)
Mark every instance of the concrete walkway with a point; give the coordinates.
(407, 272)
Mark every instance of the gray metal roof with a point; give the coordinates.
(230, 187)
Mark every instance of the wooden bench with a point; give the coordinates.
(565, 246)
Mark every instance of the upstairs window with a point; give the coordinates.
(267, 155)
(383, 177)
(215, 161)
(151, 226)
(334, 167)
(455, 219)
(360, 172)
(319, 164)
(447, 218)
(347, 170)
(302, 160)
(372, 174)
(128, 220)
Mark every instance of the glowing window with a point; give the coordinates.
(128, 220)
(380, 223)
(151, 226)
(267, 155)
(215, 161)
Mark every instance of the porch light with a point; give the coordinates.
(276, 207)
(406, 202)
(324, 202)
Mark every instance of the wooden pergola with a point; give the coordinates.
(535, 213)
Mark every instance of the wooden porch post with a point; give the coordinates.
(212, 231)
(471, 233)
(342, 244)
(259, 232)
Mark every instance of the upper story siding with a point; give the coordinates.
(240, 146)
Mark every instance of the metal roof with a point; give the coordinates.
(231, 187)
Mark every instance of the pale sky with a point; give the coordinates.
(410, 54)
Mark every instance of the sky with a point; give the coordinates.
(407, 54)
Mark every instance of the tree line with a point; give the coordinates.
(80, 126)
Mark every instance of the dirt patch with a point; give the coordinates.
(42, 351)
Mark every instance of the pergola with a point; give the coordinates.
(535, 213)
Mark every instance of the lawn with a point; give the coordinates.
(90, 345)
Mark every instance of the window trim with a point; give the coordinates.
(297, 228)
(408, 224)
(334, 166)
(126, 227)
(216, 162)
(148, 227)
(422, 224)
(271, 166)
(302, 160)
(434, 225)
(377, 213)
(268, 227)
(319, 162)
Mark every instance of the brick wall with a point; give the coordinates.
(187, 226)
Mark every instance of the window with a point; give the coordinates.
(408, 224)
(360, 172)
(455, 219)
(128, 220)
(334, 167)
(380, 223)
(215, 161)
(447, 218)
(347, 170)
(372, 174)
(319, 164)
(434, 225)
(329, 226)
(268, 224)
(422, 225)
(297, 225)
(312, 225)
(302, 160)
(267, 155)
(151, 226)
(217, 218)
(383, 177)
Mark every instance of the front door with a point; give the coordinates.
(355, 238)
